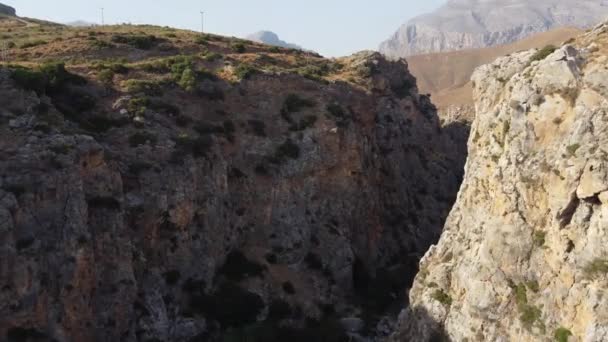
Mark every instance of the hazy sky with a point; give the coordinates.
(331, 27)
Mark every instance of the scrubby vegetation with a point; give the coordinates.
(543, 53)
(47, 78)
(442, 297)
(238, 267)
(285, 151)
(596, 268)
(294, 103)
(562, 334)
(143, 42)
(529, 315)
(244, 71)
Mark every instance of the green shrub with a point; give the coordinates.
(244, 71)
(115, 67)
(539, 238)
(562, 334)
(150, 88)
(137, 106)
(187, 81)
(238, 267)
(106, 76)
(442, 297)
(142, 138)
(294, 103)
(287, 150)
(33, 43)
(197, 147)
(529, 315)
(212, 56)
(304, 123)
(238, 47)
(543, 53)
(142, 42)
(51, 77)
(101, 44)
(201, 40)
(336, 110)
(573, 148)
(596, 268)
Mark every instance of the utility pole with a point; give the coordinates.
(202, 22)
(102, 18)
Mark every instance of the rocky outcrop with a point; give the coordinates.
(227, 209)
(465, 24)
(523, 255)
(7, 10)
(271, 38)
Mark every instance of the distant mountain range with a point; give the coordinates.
(271, 38)
(464, 24)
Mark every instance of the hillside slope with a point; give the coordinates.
(446, 75)
(164, 185)
(467, 24)
(523, 255)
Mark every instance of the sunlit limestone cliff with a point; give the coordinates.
(523, 256)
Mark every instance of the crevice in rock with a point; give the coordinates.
(565, 216)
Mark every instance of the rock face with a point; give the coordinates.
(523, 255)
(274, 199)
(7, 10)
(271, 38)
(464, 24)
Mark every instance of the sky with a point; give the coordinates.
(330, 27)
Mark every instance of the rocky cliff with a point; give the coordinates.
(465, 24)
(523, 255)
(167, 186)
(7, 10)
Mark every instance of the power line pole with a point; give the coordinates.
(202, 22)
(102, 18)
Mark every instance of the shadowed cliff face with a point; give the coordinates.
(523, 255)
(177, 213)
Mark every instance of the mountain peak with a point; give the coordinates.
(271, 38)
